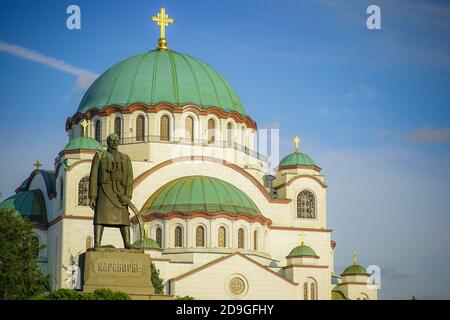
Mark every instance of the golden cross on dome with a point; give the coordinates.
(354, 257)
(163, 21)
(302, 236)
(84, 124)
(37, 164)
(297, 141)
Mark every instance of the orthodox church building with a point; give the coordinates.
(217, 224)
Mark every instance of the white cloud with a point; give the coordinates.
(84, 77)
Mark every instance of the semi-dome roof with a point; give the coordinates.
(200, 194)
(83, 143)
(161, 76)
(29, 204)
(148, 244)
(354, 269)
(302, 251)
(296, 159)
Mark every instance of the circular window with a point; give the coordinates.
(237, 286)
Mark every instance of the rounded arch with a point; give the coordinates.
(161, 167)
(189, 134)
(241, 237)
(88, 242)
(139, 120)
(200, 235)
(118, 125)
(231, 132)
(306, 204)
(222, 236)
(178, 240)
(212, 128)
(165, 122)
(312, 288)
(83, 191)
(362, 296)
(158, 234)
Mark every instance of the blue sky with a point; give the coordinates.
(372, 106)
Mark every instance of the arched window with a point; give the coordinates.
(118, 126)
(98, 131)
(189, 129)
(140, 128)
(178, 237)
(313, 291)
(88, 242)
(305, 291)
(83, 196)
(229, 134)
(158, 236)
(306, 205)
(200, 236)
(211, 130)
(164, 128)
(146, 234)
(222, 237)
(241, 238)
(255, 240)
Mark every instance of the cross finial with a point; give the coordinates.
(84, 124)
(163, 21)
(37, 164)
(354, 257)
(302, 236)
(297, 141)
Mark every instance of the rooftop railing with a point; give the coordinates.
(192, 142)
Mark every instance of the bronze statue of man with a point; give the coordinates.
(110, 191)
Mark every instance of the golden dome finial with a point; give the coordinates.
(302, 236)
(163, 21)
(84, 125)
(37, 164)
(297, 141)
(354, 257)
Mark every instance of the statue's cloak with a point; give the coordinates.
(111, 189)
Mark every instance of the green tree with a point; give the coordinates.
(156, 280)
(20, 274)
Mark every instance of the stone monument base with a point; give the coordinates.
(120, 270)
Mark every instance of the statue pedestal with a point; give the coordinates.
(119, 270)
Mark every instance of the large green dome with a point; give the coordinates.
(200, 193)
(161, 76)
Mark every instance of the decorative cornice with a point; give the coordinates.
(209, 264)
(300, 229)
(302, 176)
(202, 214)
(305, 266)
(107, 111)
(299, 166)
(160, 165)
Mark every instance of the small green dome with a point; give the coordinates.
(147, 244)
(29, 204)
(83, 143)
(161, 76)
(302, 251)
(354, 269)
(200, 193)
(294, 159)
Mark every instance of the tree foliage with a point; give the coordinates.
(20, 274)
(156, 280)
(98, 294)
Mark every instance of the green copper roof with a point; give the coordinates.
(83, 143)
(148, 244)
(297, 159)
(302, 251)
(354, 269)
(30, 204)
(337, 294)
(161, 76)
(200, 193)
